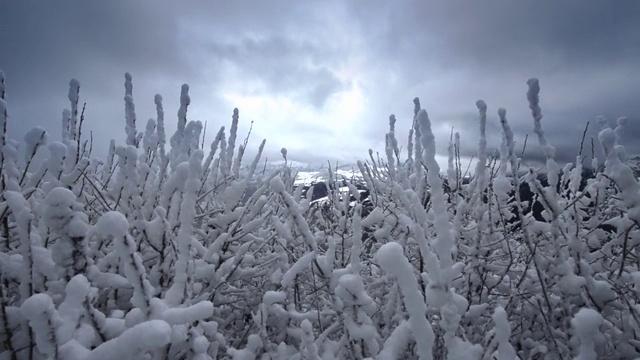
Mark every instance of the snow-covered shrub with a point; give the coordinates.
(164, 251)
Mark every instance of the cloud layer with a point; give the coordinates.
(322, 78)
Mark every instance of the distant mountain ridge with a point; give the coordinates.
(308, 173)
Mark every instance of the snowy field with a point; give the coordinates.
(172, 249)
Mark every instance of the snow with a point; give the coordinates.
(116, 225)
(63, 214)
(233, 133)
(356, 248)
(149, 138)
(74, 91)
(375, 217)
(303, 263)
(482, 149)
(586, 324)
(112, 223)
(295, 212)
(310, 347)
(503, 332)
(200, 347)
(621, 174)
(396, 342)
(250, 352)
(146, 336)
(190, 314)
(277, 185)
(391, 258)
(358, 308)
(273, 297)
(34, 139)
(444, 241)
(130, 111)
(351, 288)
(183, 270)
(73, 350)
(71, 309)
(41, 313)
(571, 283)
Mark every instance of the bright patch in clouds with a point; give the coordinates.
(277, 117)
(346, 104)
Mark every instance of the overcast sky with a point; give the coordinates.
(321, 78)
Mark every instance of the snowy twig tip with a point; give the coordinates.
(416, 103)
(423, 119)
(74, 84)
(74, 90)
(128, 86)
(534, 90)
(482, 106)
(623, 121)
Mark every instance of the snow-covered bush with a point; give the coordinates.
(174, 252)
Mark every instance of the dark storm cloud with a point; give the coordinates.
(45, 44)
(45, 40)
(506, 34)
(584, 53)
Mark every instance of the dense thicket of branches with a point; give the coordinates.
(167, 251)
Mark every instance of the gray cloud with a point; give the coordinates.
(452, 54)
(43, 45)
(448, 53)
(506, 34)
(282, 66)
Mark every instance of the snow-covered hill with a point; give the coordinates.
(310, 173)
(344, 172)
